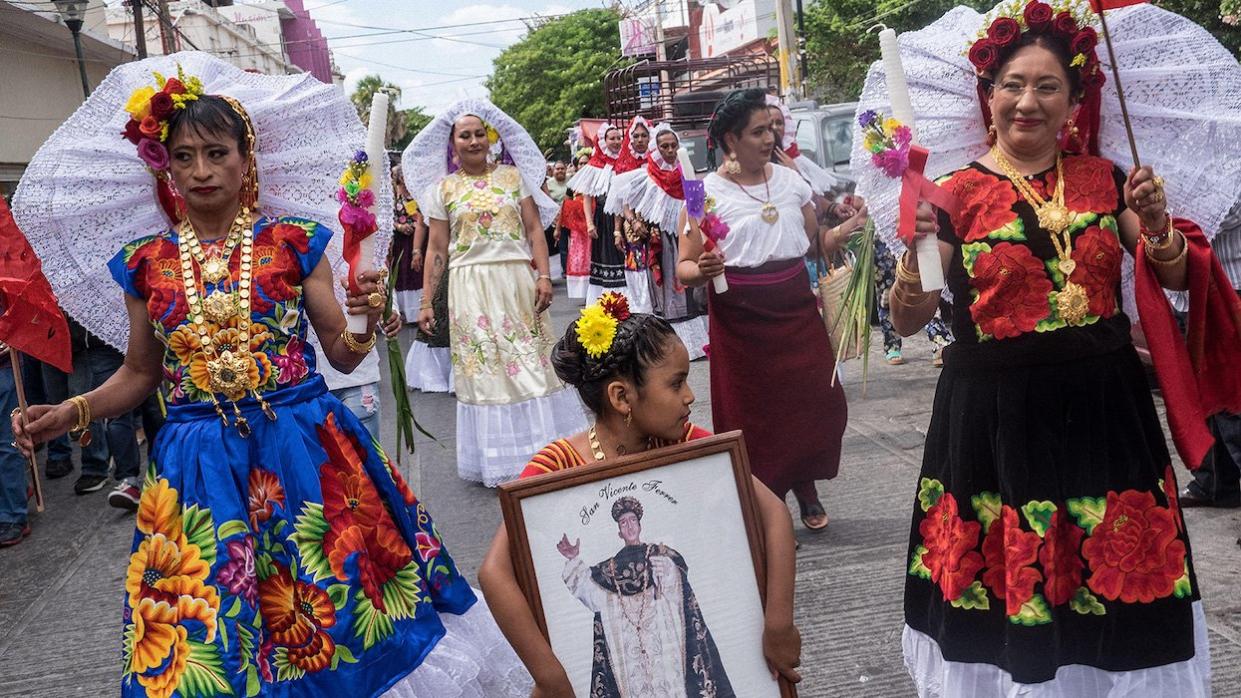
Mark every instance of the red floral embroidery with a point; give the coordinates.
(161, 281)
(1012, 289)
(1089, 185)
(1134, 553)
(265, 494)
(296, 613)
(1097, 253)
(1061, 562)
(950, 542)
(1008, 551)
(361, 528)
(277, 276)
(986, 203)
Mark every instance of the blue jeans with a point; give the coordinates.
(111, 438)
(363, 402)
(12, 464)
(56, 391)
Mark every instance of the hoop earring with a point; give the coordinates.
(731, 166)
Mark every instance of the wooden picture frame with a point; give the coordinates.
(515, 495)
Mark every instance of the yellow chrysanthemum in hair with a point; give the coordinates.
(596, 330)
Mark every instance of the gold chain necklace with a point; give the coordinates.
(228, 371)
(595, 448)
(214, 264)
(770, 214)
(1072, 303)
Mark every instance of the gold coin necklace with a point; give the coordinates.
(1072, 302)
(770, 214)
(228, 367)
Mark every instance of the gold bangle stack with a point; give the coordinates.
(80, 432)
(354, 345)
(1180, 256)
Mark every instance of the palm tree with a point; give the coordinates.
(361, 98)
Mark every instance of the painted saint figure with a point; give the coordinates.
(650, 639)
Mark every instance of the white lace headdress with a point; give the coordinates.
(86, 193)
(1183, 90)
(427, 159)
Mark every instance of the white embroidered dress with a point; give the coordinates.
(509, 401)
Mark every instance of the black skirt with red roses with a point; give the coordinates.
(1045, 526)
(1046, 530)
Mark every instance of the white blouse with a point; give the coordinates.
(751, 241)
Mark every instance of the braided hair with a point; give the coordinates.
(731, 116)
(641, 340)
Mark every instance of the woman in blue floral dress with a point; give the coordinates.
(278, 552)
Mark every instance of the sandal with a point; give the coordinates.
(812, 509)
(894, 357)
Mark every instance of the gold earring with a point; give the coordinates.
(629, 418)
(732, 167)
(991, 135)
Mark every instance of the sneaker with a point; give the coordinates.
(13, 533)
(89, 483)
(125, 496)
(894, 357)
(58, 468)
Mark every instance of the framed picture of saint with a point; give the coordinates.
(646, 573)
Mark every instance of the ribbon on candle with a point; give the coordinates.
(916, 187)
(695, 197)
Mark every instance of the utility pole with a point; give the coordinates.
(787, 53)
(140, 28)
(167, 34)
(661, 55)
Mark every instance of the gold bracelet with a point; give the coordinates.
(905, 300)
(354, 345)
(1150, 255)
(903, 273)
(84, 416)
(1161, 241)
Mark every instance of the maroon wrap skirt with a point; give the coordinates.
(771, 375)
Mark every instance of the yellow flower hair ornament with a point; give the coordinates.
(596, 326)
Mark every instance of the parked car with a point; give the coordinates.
(825, 135)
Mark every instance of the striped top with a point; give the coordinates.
(560, 454)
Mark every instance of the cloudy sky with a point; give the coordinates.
(432, 72)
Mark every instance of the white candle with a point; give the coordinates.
(687, 172)
(377, 157)
(927, 248)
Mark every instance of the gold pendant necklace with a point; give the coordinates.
(1072, 302)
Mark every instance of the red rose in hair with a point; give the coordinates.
(173, 86)
(984, 54)
(1004, 31)
(151, 128)
(1134, 553)
(1008, 552)
(161, 105)
(1012, 287)
(1061, 563)
(950, 541)
(1084, 42)
(1065, 25)
(131, 133)
(1097, 253)
(1092, 74)
(1038, 16)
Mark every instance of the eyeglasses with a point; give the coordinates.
(1014, 90)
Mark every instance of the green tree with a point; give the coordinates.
(415, 120)
(362, 96)
(554, 75)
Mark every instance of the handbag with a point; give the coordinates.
(832, 281)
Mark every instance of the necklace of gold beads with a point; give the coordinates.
(228, 368)
(1072, 303)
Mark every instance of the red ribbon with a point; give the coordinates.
(351, 250)
(915, 187)
(793, 151)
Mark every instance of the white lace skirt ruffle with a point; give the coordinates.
(429, 369)
(693, 334)
(472, 660)
(638, 290)
(594, 291)
(576, 285)
(494, 442)
(407, 304)
(936, 677)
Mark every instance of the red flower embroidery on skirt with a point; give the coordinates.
(986, 203)
(1012, 287)
(950, 543)
(1097, 253)
(1008, 551)
(1134, 554)
(1061, 562)
(297, 613)
(265, 494)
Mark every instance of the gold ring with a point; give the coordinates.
(1158, 181)
(375, 300)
